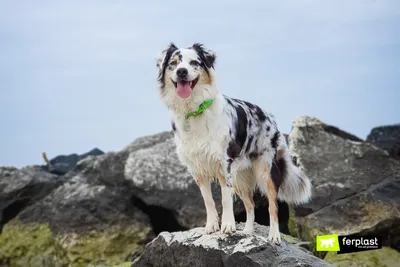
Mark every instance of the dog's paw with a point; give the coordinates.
(228, 227)
(248, 230)
(211, 227)
(274, 237)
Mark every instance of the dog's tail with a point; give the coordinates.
(295, 186)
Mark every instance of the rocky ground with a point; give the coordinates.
(101, 209)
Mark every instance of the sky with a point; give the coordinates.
(75, 75)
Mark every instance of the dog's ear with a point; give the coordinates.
(211, 56)
(163, 55)
(207, 56)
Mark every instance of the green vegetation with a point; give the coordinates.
(36, 246)
(385, 257)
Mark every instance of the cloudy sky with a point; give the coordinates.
(75, 75)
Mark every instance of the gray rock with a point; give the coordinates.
(192, 248)
(160, 180)
(338, 167)
(94, 196)
(375, 211)
(78, 206)
(20, 188)
(355, 184)
(387, 138)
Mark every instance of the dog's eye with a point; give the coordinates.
(172, 63)
(194, 63)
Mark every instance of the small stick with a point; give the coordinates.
(46, 159)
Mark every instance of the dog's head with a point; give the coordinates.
(186, 73)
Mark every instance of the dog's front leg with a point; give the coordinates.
(212, 214)
(228, 225)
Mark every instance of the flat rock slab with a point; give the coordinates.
(193, 248)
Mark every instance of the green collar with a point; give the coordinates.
(203, 106)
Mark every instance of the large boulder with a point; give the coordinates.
(193, 248)
(387, 138)
(20, 188)
(79, 223)
(355, 184)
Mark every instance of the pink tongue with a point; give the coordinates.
(183, 89)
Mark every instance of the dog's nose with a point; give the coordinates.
(182, 72)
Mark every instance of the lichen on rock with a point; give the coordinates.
(35, 245)
(109, 247)
(385, 257)
(30, 245)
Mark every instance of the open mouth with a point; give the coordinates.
(184, 88)
(183, 83)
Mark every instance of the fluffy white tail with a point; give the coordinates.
(295, 187)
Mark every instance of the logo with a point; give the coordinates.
(328, 243)
(348, 244)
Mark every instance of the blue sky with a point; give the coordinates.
(81, 74)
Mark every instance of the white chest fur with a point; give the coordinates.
(201, 141)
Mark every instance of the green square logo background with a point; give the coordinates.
(327, 243)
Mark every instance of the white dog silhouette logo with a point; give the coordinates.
(326, 243)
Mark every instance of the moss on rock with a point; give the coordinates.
(30, 245)
(109, 247)
(385, 257)
(292, 223)
(35, 245)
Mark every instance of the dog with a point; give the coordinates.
(223, 138)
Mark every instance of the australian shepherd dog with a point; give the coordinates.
(223, 138)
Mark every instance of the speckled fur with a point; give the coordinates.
(232, 140)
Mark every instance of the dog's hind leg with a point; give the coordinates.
(268, 187)
(244, 188)
(212, 224)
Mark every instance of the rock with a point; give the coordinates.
(355, 185)
(159, 179)
(103, 210)
(374, 211)
(80, 207)
(92, 223)
(20, 188)
(387, 138)
(89, 218)
(91, 215)
(192, 248)
(108, 169)
(385, 257)
(63, 164)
